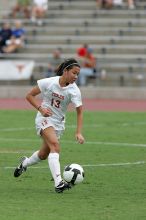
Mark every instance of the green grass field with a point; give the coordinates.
(113, 157)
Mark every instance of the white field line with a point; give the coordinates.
(118, 144)
(89, 165)
(16, 129)
(16, 152)
(74, 126)
(19, 139)
(114, 164)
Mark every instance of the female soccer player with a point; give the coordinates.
(57, 93)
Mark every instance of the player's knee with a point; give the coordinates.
(43, 155)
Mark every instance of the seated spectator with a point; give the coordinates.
(22, 6)
(131, 4)
(108, 4)
(105, 4)
(39, 9)
(5, 34)
(88, 67)
(17, 39)
(118, 3)
(54, 62)
(18, 31)
(81, 52)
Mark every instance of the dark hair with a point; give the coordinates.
(67, 64)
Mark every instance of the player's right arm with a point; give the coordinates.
(31, 98)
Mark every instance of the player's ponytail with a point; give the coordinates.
(67, 64)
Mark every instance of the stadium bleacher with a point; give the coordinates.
(117, 37)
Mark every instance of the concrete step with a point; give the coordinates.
(93, 13)
(44, 41)
(117, 31)
(108, 50)
(43, 57)
(78, 22)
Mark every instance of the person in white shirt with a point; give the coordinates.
(39, 10)
(57, 93)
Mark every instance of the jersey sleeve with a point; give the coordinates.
(43, 84)
(76, 98)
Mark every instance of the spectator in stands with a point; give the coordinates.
(39, 10)
(131, 4)
(54, 62)
(105, 4)
(17, 39)
(22, 6)
(5, 34)
(88, 67)
(118, 3)
(81, 51)
(108, 4)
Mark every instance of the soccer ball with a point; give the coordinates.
(73, 173)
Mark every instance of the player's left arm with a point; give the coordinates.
(78, 135)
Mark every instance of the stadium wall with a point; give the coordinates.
(121, 93)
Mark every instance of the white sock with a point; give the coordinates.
(31, 160)
(54, 164)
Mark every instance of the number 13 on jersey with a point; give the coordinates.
(55, 103)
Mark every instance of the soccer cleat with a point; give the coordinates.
(20, 169)
(62, 186)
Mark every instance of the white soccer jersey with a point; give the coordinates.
(58, 98)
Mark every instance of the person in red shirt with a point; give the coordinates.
(88, 67)
(81, 52)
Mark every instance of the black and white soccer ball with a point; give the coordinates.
(73, 173)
